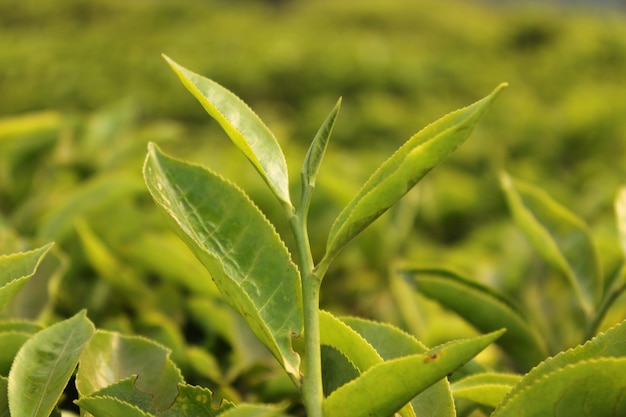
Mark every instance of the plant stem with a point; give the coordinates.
(312, 390)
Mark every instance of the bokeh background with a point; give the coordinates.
(83, 88)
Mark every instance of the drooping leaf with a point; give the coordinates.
(391, 343)
(403, 170)
(588, 388)
(611, 344)
(111, 357)
(236, 243)
(15, 271)
(559, 236)
(485, 310)
(315, 154)
(486, 388)
(244, 128)
(44, 365)
(387, 387)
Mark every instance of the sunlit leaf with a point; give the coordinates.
(240, 248)
(15, 271)
(111, 357)
(110, 407)
(391, 343)
(395, 177)
(587, 388)
(254, 410)
(387, 387)
(243, 126)
(485, 310)
(559, 236)
(487, 388)
(611, 344)
(44, 365)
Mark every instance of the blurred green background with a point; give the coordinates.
(84, 88)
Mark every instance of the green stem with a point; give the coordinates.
(602, 310)
(312, 390)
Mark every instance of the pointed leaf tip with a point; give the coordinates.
(244, 127)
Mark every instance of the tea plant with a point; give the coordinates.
(342, 366)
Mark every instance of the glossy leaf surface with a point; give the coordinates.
(44, 365)
(588, 388)
(385, 388)
(559, 236)
(487, 388)
(111, 357)
(396, 176)
(236, 243)
(244, 128)
(15, 271)
(485, 310)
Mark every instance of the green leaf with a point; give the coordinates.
(559, 236)
(11, 343)
(487, 388)
(485, 310)
(403, 170)
(126, 391)
(243, 126)
(620, 211)
(337, 369)
(610, 344)
(391, 343)
(111, 357)
(15, 271)
(195, 401)
(587, 388)
(385, 388)
(315, 154)
(110, 407)
(240, 248)
(362, 355)
(254, 410)
(44, 365)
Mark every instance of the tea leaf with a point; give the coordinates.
(385, 388)
(485, 310)
(244, 128)
(611, 344)
(362, 355)
(15, 271)
(110, 407)
(587, 388)
(391, 343)
(487, 388)
(111, 357)
(559, 236)
(315, 154)
(396, 176)
(236, 243)
(254, 410)
(44, 365)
